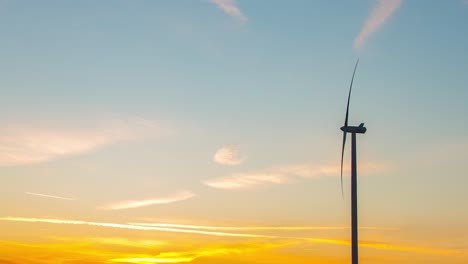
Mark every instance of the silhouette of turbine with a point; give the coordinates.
(353, 130)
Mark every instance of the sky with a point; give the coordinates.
(207, 131)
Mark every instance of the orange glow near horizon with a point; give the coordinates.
(195, 246)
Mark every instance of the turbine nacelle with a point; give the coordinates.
(354, 129)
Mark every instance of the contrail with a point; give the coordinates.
(375, 245)
(50, 196)
(258, 228)
(129, 226)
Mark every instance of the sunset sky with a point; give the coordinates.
(207, 131)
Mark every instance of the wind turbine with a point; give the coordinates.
(354, 212)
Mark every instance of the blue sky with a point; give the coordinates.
(111, 101)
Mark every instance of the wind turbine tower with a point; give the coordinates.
(354, 207)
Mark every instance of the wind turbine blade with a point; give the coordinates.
(346, 125)
(342, 156)
(349, 94)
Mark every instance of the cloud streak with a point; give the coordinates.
(246, 180)
(50, 196)
(230, 8)
(379, 15)
(367, 244)
(281, 175)
(130, 226)
(180, 196)
(228, 155)
(28, 146)
(377, 245)
(20, 145)
(260, 228)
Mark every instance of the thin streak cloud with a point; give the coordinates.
(180, 196)
(50, 196)
(374, 245)
(261, 228)
(383, 10)
(21, 145)
(282, 175)
(129, 226)
(377, 245)
(246, 180)
(230, 8)
(228, 155)
(32, 145)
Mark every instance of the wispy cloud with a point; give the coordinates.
(31, 145)
(322, 170)
(21, 144)
(246, 180)
(378, 245)
(282, 174)
(180, 196)
(129, 226)
(230, 7)
(201, 230)
(286, 239)
(261, 228)
(228, 155)
(50, 196)
(382, 11)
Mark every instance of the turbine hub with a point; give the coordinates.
(354, 129)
